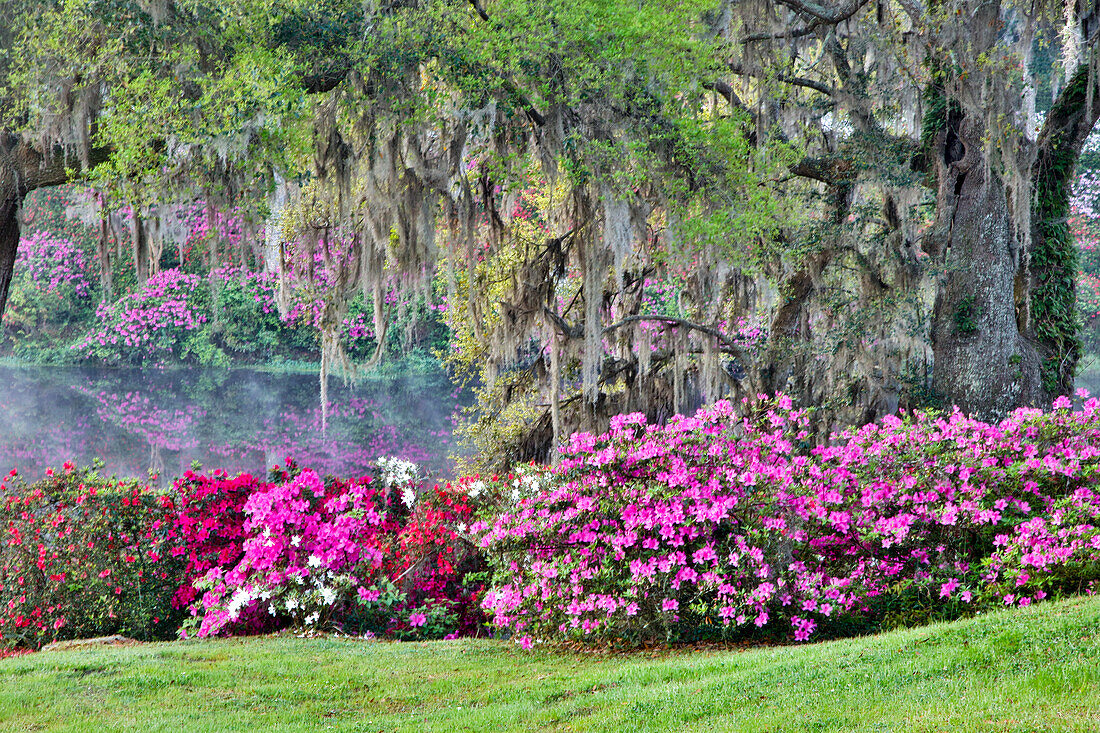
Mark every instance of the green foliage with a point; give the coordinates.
(246, 324)
(966, 315)
(1054, 259)
(84, 556)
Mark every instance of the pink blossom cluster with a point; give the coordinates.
(317, 554)
(53, 262)
(147, 322)
(201, 225)
(732, 518)
(358, 328)
(306, 549)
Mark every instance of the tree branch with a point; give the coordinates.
(726, 92)
(577, 331)
(1071, 119)
(831, 16)
(830, 170)
(678, 322)
(799, 81)
(480, 10)
(36, 169)
(573, 332)
(796, 33)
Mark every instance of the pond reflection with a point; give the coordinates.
(137, 421)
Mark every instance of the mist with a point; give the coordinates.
(142, 421)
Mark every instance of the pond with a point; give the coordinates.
(139, 421)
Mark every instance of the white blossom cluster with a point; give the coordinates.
(399, 473)
(474, 489)
(529, 481)
(242, 598)
(312, 599)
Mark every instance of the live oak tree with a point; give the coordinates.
(937, 101)
(849, 200)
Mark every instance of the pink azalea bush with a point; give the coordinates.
(360, 555)
(734, 522)
(54, 263)
(150, 324)
(50, 298)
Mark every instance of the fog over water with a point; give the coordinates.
(142, 420)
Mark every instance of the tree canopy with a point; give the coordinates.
(629, 206)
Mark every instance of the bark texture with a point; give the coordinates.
(9, 239)
(982, 362)
(1004, 327)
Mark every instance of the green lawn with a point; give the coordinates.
(1027, 670)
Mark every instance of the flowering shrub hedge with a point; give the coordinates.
(719, 524)
(82, 556)
(730, 522)
(361, 555)
(182, 317)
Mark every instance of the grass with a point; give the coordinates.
(1033, 669)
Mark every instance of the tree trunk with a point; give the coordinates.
(10, 203)
(1051, 276)
(273, 225)
(1005, 330)
(139, 239)
(982, 363)
(106, 274)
